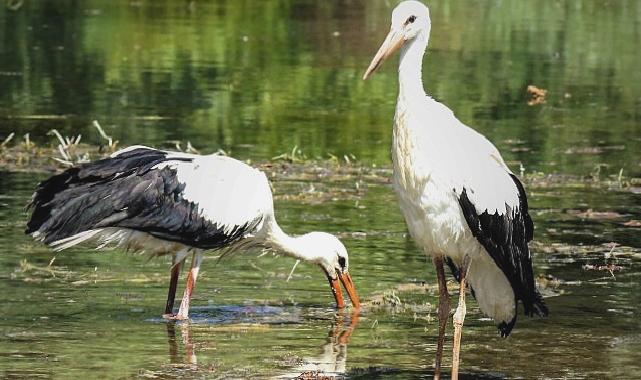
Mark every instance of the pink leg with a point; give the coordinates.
(183, 312)
(443, 313)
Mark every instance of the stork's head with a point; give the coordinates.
(331, 255)
(410, 22)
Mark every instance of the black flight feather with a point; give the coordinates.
(125, 191)
(505, 237)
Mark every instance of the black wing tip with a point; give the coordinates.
(540, 308)
(505, 328)
(508, 246)
(535, 305)
(47, 201)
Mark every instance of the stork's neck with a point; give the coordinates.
(294, 246)
(410, 67)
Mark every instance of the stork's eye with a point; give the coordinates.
(411, 20)
(341, 262)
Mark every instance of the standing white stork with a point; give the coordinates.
(461, 202)
(175, 203)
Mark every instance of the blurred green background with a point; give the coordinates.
(257, 78)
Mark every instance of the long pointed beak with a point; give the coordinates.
(348, 284)
(392, 43)
(337, 292)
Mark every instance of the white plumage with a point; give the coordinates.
(175, 203)
(461, 202)
(435, 157)
(226, 190)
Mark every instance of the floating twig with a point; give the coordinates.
(292, 271)
(110, 142)
(66, 146)
(27, 141)
(191, 149)
(7, 140)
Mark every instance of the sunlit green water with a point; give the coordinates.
(257, 79)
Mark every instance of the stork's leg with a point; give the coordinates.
(183, 312)
(173, 284)
(459, 317)
(443, 313)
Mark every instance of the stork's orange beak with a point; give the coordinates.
(392, 43)
(348, 284)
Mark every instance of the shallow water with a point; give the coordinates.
(257, 80)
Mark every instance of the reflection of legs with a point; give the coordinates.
(171, 339)
(190, 353)
(183, 312)
(459, 317)
(173, 284)
(443, 313)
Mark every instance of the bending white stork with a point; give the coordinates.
(461, 202)
(175, 203)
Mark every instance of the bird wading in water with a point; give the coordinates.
(462, 204)
(174, 203)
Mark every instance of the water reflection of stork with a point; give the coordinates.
(179, 204)
(461, 202)
(331, 362)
